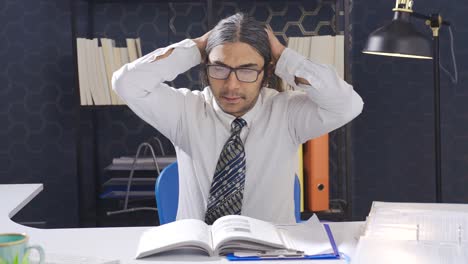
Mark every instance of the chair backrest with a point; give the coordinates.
(297, 199)
(167, 195)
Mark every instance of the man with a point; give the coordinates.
(236, 141)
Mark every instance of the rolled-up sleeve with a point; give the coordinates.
(140, 84)
(326, 104)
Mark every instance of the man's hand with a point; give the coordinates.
(201, 44)
(276, 47)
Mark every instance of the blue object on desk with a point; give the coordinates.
(167, 195)
(334, 255)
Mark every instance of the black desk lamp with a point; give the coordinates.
(400, 39)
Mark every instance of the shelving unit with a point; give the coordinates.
(139, 191)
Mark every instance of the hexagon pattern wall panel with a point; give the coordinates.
(38, 107)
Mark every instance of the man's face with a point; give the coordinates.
(233, 96)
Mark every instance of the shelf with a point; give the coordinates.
(135, 182)
(126, 163)
(133, 194)
(102, 106)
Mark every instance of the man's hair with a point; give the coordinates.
(243, 28)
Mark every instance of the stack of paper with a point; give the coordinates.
(414, 233)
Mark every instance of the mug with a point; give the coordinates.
(14, 249)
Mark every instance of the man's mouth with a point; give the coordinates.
(232, 99)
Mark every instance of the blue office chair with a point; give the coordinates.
(167, 195)
(297, 199)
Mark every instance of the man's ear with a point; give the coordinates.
(271, 69)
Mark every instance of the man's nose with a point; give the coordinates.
(232, 82)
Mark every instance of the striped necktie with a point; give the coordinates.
(227, 186)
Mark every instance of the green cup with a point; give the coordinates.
(14, 249)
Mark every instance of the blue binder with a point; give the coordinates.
(334, 255)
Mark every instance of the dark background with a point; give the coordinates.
(46, 137)
(393, 139)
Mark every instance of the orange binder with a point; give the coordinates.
(317, 173)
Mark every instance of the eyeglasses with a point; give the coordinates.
(221, 72)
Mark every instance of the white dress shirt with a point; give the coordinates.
(276, 126)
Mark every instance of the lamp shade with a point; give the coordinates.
(399, 39)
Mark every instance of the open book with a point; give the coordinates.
(239, 235)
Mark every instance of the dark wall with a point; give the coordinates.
(38, 107)
(393, 139)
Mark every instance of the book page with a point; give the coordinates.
(124, 59)
(186, 233)
(104, 88)
(138, 47)
(82, 71)
(91, 69)
(98, 92)
(322, 50)
(242, 232)
(117, 55)
(108, 52)
(309, 237)
(132, 49)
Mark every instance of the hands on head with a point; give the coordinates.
(201, 44)
(277, 47)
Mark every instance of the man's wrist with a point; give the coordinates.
(201, 45)
(278, 53)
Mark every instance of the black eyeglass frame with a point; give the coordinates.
(231, 69)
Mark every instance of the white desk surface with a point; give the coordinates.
(121, 242)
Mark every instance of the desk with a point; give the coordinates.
(120, 243)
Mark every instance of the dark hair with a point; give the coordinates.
(243, 28)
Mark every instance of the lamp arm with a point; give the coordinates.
(430, 18)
